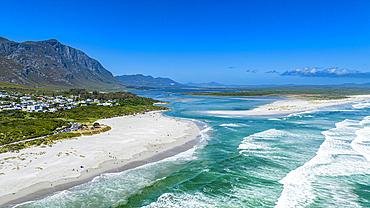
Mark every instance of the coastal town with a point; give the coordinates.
(16, 101)
(43, 103)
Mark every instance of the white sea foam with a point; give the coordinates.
(195, 200)
(253, 143)
(231, 129)
(270, 134)
(181, 200)
(302, 113)
(365, 121)
(337, 110)
(246, 145)
(221, 116)
(189, 155)
(362, 142)
(22, 204)
(234, 125)
(341, 154)
(362, 104)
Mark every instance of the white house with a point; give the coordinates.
(53, 110)
(34, 107)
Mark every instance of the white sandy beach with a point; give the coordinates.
(131, 138)
(286, 107)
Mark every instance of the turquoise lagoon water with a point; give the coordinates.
(312, 159)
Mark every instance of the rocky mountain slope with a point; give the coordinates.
(51, 64)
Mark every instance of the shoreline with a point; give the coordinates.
(152, 152)
(293, 105)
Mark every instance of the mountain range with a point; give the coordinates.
(54, 65)
(51, 64)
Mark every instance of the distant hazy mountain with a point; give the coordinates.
(206, 85)
(51, 64)
(140, 80)
(355, 85)
(218, 85)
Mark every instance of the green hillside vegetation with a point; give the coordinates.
(17, 129)
(91, 113)
(132, 98)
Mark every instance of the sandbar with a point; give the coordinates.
(36, 172)
(292, 105)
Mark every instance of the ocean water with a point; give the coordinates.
(311, 159)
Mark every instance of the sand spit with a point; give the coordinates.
(286, 107)
(132, 141)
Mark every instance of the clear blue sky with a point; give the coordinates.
(203, 41)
